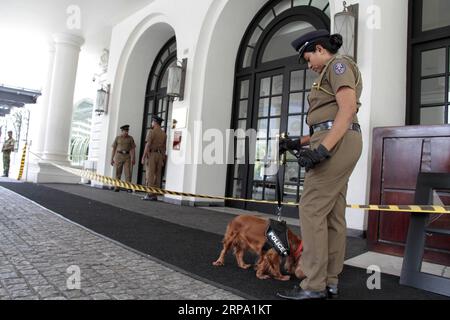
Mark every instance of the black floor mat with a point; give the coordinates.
(193, 250)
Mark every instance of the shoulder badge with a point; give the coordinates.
(340, 68)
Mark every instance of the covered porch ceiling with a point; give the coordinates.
(92, 20)
(11, 97)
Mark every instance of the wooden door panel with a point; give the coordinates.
(438, 241)
(399, 155)
(440, 155)
(394, 225)
(402, 161)
(440, 222)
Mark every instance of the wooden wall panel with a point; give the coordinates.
(399, 154)
(440, 155)
(402, 160)
(394, 225)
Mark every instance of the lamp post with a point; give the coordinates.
(346, 24)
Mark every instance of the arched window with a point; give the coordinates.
(271, 90)
(157, 102)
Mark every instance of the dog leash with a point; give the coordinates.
(277, 232)
(280, 192)
(279, 189)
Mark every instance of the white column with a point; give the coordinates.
(59, 118)
(56, 118)
(39, 141)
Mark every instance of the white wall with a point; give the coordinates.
(209, 36)
(382, 52)
(134, 46)
(222, 33)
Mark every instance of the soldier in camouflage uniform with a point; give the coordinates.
(8, 147)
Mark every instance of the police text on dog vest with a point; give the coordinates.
(276, 241)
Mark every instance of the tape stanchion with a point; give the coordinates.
(140, 188)
(22, 162)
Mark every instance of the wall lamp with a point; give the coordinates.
(176, 79)
(346, 24)
(101, 103)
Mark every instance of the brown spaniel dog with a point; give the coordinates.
(248, 233)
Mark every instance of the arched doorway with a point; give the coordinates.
(157, 102)
(270, 96)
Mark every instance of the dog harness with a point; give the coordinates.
(277, 231)
(277, 237)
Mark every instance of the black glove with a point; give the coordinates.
(310, 158)
(289, 144)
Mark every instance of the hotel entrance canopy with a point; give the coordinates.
(11, 97)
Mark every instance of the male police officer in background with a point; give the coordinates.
(155, 154)
(123, 154)
(8, 147)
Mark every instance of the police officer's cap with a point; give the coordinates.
(125, 127)
(157, 119)
(300, 44)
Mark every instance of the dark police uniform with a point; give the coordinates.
(323, 201)
(123, 146)
(156, 141)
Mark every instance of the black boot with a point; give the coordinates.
(332, 291)
(150, 197)
(299, 294)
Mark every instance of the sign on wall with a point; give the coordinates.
(177, 140)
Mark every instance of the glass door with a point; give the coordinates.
(299, 87)
(267, 119)
(279, 105)
(430, 83)
(156, 100)
(270, 98)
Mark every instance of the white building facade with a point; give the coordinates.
(241, 73)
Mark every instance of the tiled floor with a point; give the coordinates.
(40, 252)
(388, 264)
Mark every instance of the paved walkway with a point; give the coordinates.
(41, 254)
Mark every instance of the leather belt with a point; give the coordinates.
(123, 152)
(328, 125)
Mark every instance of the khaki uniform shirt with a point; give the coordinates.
(124, 143)
(339, 72)
(8, 145)
(157, 140)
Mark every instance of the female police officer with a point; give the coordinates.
(335, 147)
